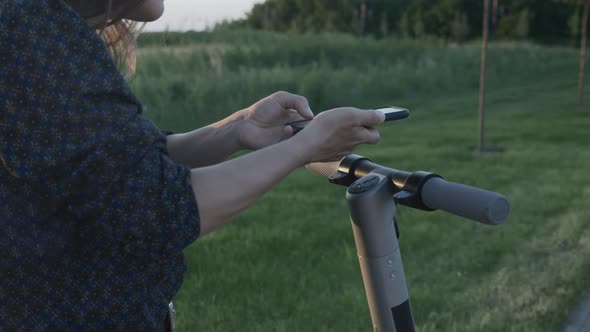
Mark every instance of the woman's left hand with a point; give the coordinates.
(265, 123)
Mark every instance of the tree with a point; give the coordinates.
(404, 26)
(384, 24)
(546, 19)
(363, 16)
(460, 27)
(584, 31)
(583, 56)
(573, 24)
(418, 25)
(522, 27)
(482, 80)
(494, 19)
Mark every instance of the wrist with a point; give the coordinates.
(231, 129)
(300, 150)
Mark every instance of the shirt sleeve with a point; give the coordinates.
(71, 128)
(149, 209)
(168, 132)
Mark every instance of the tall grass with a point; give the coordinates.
(214, 74)
(289, 263)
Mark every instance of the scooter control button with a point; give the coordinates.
(363, 185)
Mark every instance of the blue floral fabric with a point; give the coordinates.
(94, 214)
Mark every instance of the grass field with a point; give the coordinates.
(289, 263)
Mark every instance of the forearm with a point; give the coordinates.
(205, 146)
(226, 189)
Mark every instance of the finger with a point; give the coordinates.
(343, 116)
(357, 117)
(288, 132)
(358, 135)
(369, 118)
(335, 157)
(291, 101)
(294, 116)
(343, 154)
(364, 135)
(372, 136)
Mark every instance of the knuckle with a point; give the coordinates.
(352, 111)
(344, 110)
(376, 139)
(380, 117)
(376, 118)
(372, 117)
(280, 94)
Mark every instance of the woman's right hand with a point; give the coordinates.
(334, 134)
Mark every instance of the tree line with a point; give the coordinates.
(457, 20)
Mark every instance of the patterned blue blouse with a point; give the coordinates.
(94, 214)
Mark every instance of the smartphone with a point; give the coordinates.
(392, 113)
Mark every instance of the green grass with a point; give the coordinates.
(289, 263)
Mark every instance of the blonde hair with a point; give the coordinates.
(120, 39)
(118, 34)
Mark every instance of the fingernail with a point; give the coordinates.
(381, 115)
(310, 111)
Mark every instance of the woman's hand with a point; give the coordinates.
(265, 123)
(256, 127)
(226, 189)
(334, 134)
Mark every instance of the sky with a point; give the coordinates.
(182, 15)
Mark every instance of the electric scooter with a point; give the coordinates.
(373, 193)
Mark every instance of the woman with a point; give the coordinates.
(97, 202)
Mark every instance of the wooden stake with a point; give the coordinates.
(583, 57)
(494, 19)
(482, 80)
(363, 16)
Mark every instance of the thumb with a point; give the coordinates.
(291, 101)
(370, 118)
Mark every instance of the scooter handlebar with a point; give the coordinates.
(437, 194)
(473, 203)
